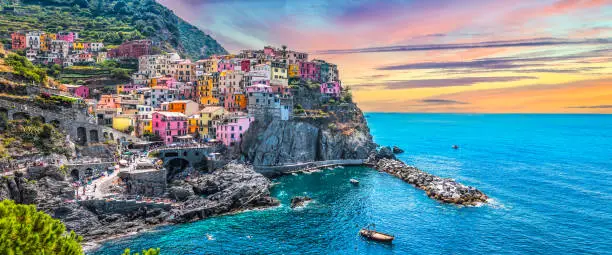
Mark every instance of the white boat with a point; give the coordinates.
(353, 181)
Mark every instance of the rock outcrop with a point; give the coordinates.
(300, 201)
(338, 133)
(442, 189)
(397, 150)
(232, 188)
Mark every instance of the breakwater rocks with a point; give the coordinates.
(442, 189)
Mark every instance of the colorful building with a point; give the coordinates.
(69, 37)
(309, 71)
(193, 121)
(331, 89)
(77, 90)
(204, 91)
(278, 75)
(127, 88)
(132, 49)
(124, 123)
(169, 125)
(107, 102)
(293, 71)
(207, 116)
(231, 128)
(186, 107)
(18, 41)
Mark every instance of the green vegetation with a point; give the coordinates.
(24, 230)
(298, 109)
(23, 67)
(109, 21)
(31, 137)
(144, 252)
(347, 95)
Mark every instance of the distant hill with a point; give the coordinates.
(110, 21)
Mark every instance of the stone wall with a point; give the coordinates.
(75, 122)
(145, 182)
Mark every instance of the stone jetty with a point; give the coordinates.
(445, 190)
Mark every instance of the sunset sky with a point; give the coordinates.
(436, 55)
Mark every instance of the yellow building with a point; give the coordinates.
(278, 74)
(45, 40)
(145, 126)
(78, 46)
(123, 122)
(204, 91)
(293, 71)
(207, 115)
(194, 123)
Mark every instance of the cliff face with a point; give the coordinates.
(340, 132)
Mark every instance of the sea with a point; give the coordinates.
(549, 178)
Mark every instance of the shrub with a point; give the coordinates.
(150, 251)
(25, 230)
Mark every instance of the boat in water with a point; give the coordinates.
(355, 182)
(376, 236)
(455, 147)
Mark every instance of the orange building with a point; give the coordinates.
(186, 107)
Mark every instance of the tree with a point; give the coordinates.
(150, 251)
(24, 230)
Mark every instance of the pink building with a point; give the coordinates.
(77, 90)
(230, 129)
(331, 89)
(225, 65)
(67, 36)
(280, 89)
(309, 71)
(259, 88)
(169, 125)
(167, 81)
(269, 51)
(107, 101)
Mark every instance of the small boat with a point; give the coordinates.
(353, 181)
(376, 236)
(455, 147)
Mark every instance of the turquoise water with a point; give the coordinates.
(550, 177)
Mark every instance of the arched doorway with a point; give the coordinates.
(93, 136)
(89, 172)
(74, 174)
(81, 136)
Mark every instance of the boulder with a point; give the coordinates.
(397, 150)
(299, 201)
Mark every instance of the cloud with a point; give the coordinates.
(501, 62)
(591, 107)
(458, 46)
(450, 82)
(442, 101)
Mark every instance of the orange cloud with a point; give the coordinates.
(590, 96)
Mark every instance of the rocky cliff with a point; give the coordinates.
(334, 132)
(232, 188)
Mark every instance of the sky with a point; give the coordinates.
(478, 56)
